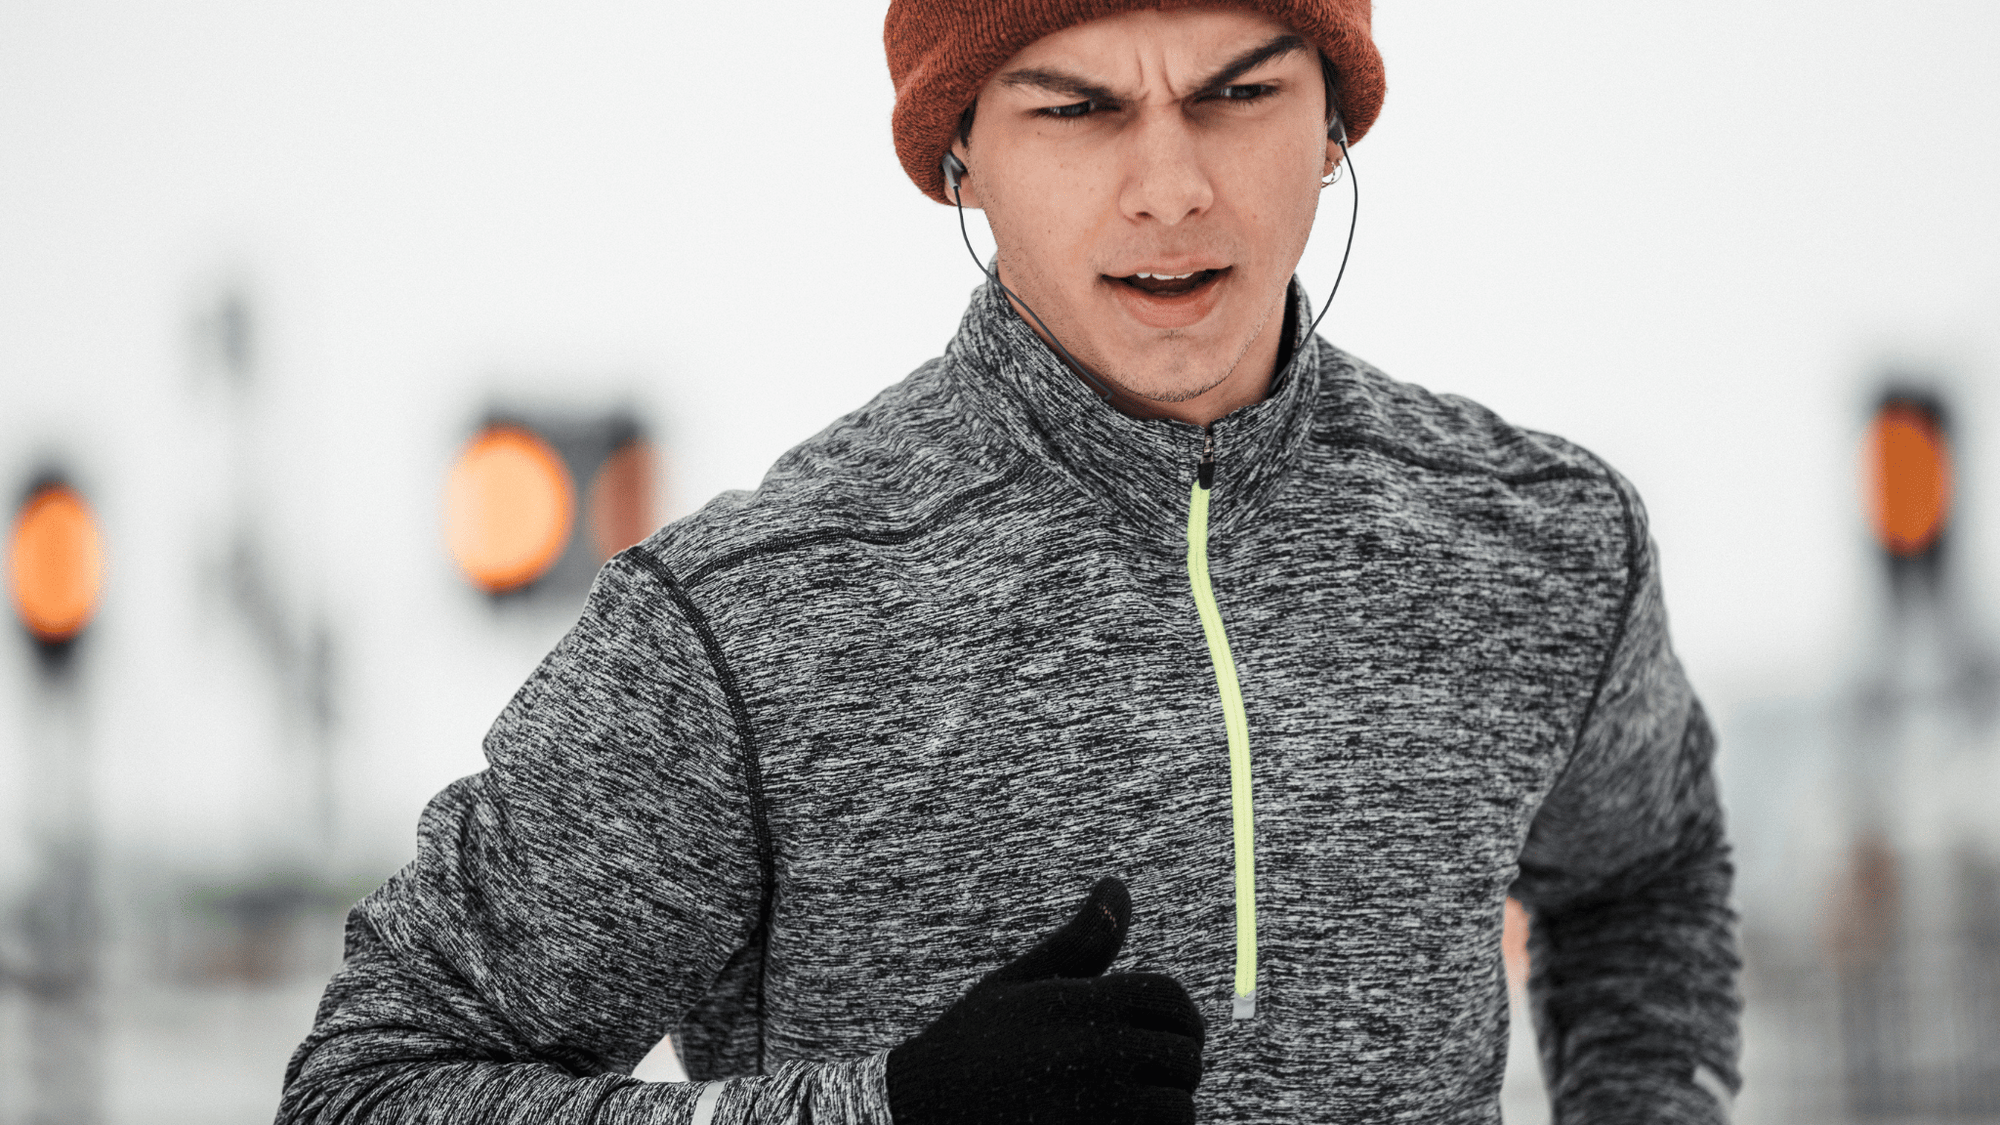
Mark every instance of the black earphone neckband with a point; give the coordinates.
(954, 168)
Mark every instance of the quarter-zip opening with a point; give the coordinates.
(1236, 725)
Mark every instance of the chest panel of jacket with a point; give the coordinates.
(1035, 696)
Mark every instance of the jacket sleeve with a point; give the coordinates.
(568, 905)
(1626, 878)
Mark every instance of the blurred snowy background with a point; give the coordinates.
(266, 269)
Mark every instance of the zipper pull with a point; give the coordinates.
(1205, 473)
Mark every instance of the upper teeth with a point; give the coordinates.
(1168, 276)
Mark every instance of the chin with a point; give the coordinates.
(1176, 376)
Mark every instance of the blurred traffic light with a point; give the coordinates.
(1909, 475)
(621, 507)
(55, 563)
(511, 504)
(508, 508)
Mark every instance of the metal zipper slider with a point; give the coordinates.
(1205, 473)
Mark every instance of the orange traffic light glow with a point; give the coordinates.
(509, 506)
(55, 563)
(621, 499)
(1909, 479)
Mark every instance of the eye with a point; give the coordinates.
(1067, 112)
(1247, 93)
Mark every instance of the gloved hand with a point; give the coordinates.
(1048, 1038)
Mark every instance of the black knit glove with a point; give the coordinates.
(1049, 1039)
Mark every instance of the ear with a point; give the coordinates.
(1333, 157)
(968, 184)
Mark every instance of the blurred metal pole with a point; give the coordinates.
(297, 646)
(54, 576)
(60, 922)
(301, 658)
(1911, 932)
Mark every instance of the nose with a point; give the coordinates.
(1164, 177)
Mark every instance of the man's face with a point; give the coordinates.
(1161, 143)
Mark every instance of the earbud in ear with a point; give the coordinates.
(953, 169)
(1337, 131)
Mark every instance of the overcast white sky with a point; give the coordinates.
(1685, 235)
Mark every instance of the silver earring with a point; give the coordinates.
(1331, 178)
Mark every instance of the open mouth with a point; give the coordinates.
(1171, 285)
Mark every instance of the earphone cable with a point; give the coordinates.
(1353, 219)
(1103, 392)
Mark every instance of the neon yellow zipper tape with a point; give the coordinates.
(1238, 728)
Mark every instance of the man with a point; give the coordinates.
(1148, 599)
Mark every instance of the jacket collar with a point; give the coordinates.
(1139, 470)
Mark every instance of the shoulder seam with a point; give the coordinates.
(1625, 601)
(937, 516)
(1397, 453)
(753, 772)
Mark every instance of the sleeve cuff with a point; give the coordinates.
(844, 1093)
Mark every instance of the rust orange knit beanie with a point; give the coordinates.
(942, 51)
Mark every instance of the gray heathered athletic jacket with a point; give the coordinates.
(818, 756)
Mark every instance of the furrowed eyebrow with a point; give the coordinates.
(1250, 60)
(1070, 85)
(1057, 82)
